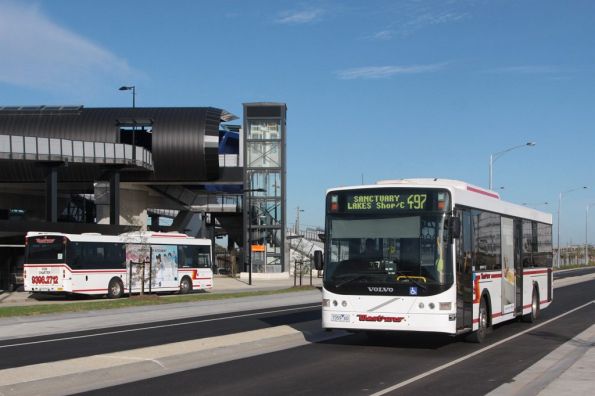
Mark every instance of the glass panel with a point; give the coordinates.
(264, 129)
(264, 155)
(268, 180)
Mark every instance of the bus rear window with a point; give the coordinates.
(45, 250)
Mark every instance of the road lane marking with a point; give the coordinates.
(159, 326)
(473, 354)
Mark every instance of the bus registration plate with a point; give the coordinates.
(340, 318)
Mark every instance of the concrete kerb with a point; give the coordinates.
(568, 370)
(100, 371)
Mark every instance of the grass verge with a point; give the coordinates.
(134, 301)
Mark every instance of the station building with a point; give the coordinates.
(194, 170)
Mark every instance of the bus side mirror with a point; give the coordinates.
(454, 227)
(318, 263)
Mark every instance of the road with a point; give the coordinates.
(349, 364)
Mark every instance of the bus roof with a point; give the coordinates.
(164, 238)
(463, 194)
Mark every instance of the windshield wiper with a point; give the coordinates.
(352, 279)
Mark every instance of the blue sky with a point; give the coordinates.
(383, 89)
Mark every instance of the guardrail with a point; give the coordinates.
(34, 148)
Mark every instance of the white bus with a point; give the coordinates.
(114, 265)
(432, 255)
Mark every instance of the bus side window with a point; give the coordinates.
(73, 255)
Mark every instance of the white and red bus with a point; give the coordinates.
(115, 265)
(432, 255)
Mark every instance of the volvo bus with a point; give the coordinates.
(96, 264)
(432, 255)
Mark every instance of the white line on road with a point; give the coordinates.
(463, 358)
(160, 326)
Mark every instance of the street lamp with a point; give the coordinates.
(586, 233)
(133, 89)
(250, 190)
(130, 88)
(559, 205)
(495, 156)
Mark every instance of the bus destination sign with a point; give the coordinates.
(388, 200)
(381, 202)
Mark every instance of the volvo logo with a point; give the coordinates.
(380, 289)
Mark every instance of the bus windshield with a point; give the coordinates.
(389, 253)
(46, 249)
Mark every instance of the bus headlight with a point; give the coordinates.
(326, 302)
(431, 305)
(343, 303)
(335, 303)
(445, 306)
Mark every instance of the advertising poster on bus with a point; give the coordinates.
(164, 259)
(137, 266)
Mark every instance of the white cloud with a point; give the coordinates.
(37, 53)
(299, 17)
(370, 72)
(382, 35)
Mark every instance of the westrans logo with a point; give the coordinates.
(380, 318)
(376, 289)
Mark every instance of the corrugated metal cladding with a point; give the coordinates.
(181, 142)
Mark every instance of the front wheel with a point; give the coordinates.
(185, 285)
(115, 289)
(479, 335)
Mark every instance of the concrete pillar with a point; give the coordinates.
(51, 194)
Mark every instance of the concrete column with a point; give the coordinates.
(114, 198)
(51, 194)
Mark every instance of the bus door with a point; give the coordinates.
(508, 267)
(464, 272)
(518, 265)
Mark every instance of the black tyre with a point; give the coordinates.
(480, 334)
(185, 285)
(115, 289)
(532, 316)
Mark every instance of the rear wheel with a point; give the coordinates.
(185, 285)
(479, 335)
(532, 316)
(115, 288)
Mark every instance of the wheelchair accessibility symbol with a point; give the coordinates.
(413, 291)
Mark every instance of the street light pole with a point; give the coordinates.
(297, 220)
(559, 205)
(495, 156)
(133, 89)
(586, 233)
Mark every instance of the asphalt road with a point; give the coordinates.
(33, 350)
(355, 365)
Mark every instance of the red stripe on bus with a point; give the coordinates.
(44, 265)
(88, 290)
(533, 272)
(497, 315)
(477, 190)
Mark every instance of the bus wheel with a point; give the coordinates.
(534, 314)
(479, 335)
(185, 285)
(115, 288)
